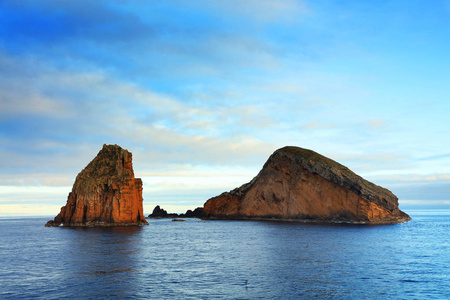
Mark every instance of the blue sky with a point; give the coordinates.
(202, 92)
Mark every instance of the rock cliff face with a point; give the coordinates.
(105, 193)
(300, 184)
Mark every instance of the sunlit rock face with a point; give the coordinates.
(300, 184)
(105, 193)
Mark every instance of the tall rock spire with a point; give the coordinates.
(105, 193)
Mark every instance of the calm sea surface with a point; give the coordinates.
(227, 259)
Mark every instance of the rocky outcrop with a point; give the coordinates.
(105, 193)
(159, 213)
(196, 213)
(300, 184)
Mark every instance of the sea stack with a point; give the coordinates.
(105, 193)
(300, 184)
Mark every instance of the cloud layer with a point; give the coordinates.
(205, 86)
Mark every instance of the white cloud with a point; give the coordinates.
(98, 109)
(317, 125)
(31, 102)
(417, 178)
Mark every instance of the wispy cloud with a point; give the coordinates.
(371, 163)
(436, 157)
(416, 190)
(417, 178)
(317, 125)
(85, 110)
(423, 191)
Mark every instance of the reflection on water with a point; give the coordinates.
(103, 256)
(226, 259)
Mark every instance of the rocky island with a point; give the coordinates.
(160, 213)
(105, 193)
(300, 184)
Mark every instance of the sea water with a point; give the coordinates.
(199, 259)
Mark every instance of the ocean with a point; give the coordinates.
(199, 259)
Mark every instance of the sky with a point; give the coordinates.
(202, 92)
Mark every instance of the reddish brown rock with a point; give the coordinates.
(300, 184)
(105, 193)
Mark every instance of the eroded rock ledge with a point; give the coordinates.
(105, 193)
(300, 184)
